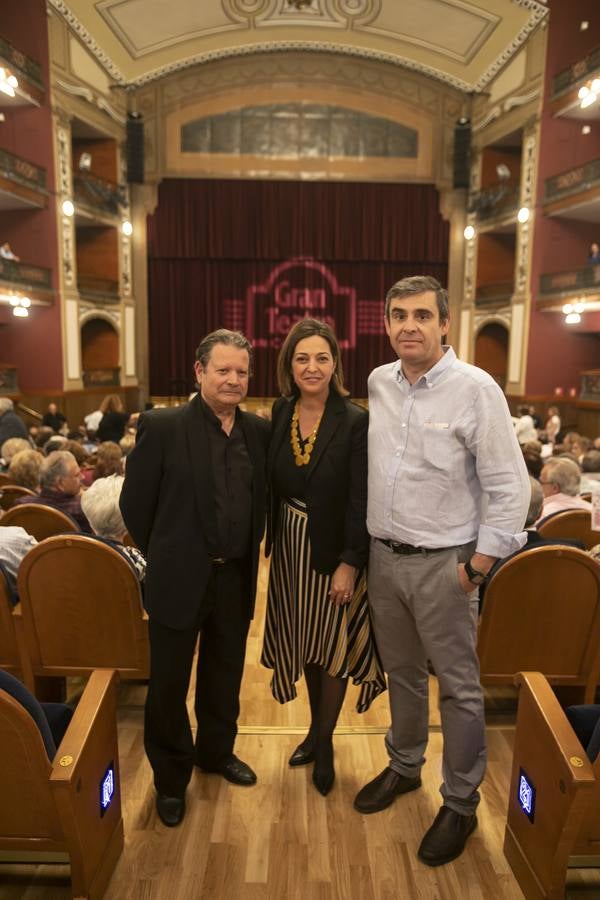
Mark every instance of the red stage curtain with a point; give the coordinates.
(257, 255)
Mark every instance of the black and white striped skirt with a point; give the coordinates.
(304, 627)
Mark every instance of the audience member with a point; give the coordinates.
(594, 253)
(10, 423)
(92, 420)
(56, 442)
(15, 543)
(127, 443)
(114, 419)
(538, 424)
(60, 485)
(524, 427)
(533, 461)
(6, 252)
(552, 425)
(25, 467)
(590, 465)
(100, 503)
(580, 446)
(77, 450)
(53, 418)
(10, 448)
(560, 481)
(41, 437)
(109, 460)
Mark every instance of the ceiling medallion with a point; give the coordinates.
(299, 4)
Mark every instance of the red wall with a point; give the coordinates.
(556, 354)
(33, 344)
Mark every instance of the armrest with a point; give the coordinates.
(24, 657)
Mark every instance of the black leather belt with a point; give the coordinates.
(218, 561)
(408, 549)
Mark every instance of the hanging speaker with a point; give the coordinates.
(462, 154)
(135, 148)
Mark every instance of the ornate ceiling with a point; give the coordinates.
(462, 43)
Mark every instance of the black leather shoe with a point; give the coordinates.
(301, 756)
(383, 790)
(171, 810)
(446, 838)
(323, 774)
(234, 770)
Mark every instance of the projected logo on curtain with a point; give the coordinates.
(294, 290)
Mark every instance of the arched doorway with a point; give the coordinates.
(491, 351)
(100, 353)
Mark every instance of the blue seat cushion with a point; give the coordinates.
(52, 719)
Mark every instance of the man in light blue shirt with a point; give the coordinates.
(448, 495)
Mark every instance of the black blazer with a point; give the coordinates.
(168, 507)
(336, 483)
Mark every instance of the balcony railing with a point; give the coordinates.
(25, 274)
(21, 171)
(20, 61)
(576, 72)
(571, 282)
(95, 288)
(106, 377)
(97, 194)
(572, 181)
(490, 294)
(495, 200)
(590, 385)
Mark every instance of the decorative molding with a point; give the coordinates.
(524, 229)
(510, 103)
(501, 316)
(78, 90)
(538, 14)
(65, 192)
(125, 262)
(88, 311)
(83, 34)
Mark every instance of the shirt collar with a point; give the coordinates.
(430, 378)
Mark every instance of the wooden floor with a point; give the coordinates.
(280, 840)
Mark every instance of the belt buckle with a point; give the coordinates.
(218, 560)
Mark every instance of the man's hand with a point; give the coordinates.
(481, 563)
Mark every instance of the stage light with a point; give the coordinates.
(20, 312)
(567, 308)
(573, 319)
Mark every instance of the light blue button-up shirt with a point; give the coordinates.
(445, 467)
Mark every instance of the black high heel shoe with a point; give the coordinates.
(323, 774)
(302, 755)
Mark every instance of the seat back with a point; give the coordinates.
(10, 493)
(81, 609)
(574, 524)
(9, 654)
(5, 478)
(27, 810)
(542, 613)
(39, 520)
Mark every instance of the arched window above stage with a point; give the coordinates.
(299, 130)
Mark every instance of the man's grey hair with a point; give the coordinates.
(6, 404)
(100, 504)
(536, 502)
(419, 284)
(565, 473)
(55, 467)
(223, 336)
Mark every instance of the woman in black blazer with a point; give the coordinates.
(317, 613)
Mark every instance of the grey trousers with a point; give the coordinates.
(420, 612)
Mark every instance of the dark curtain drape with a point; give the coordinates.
(257, 255)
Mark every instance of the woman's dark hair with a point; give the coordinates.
(306, 328)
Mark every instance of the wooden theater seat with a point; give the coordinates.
(39, 520)
(5, 478)
(564, 828)
(572, 524)
(80, 609)
(10, 493)
(542, 613)
(54, 807)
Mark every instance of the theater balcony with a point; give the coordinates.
(99, 290)
(572, 286)
(496, 206)
(494, 295)
(21, 279)
(21, 78)
(574, 194)
(22, 184)
(97, 201)
(572, 89)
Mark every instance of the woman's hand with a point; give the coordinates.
(342, 584)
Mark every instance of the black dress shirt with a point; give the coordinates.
(232, 475)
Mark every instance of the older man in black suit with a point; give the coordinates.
(194, 503)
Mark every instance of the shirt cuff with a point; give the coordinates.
(494, 542)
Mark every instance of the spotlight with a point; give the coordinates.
(586, 129)
(26, 302)
(469, 233)
(21, 312)
(68, 208)
(573, 319)
(588, 100)
(523, 215)
(579, 307)
(567, 309)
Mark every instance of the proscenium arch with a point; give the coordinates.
(419, 168)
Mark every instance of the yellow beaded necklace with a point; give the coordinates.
(302, 458)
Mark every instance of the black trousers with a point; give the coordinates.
(223, 628)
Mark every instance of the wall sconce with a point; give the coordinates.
(20, 306)
(523, 215)
(469, 233)
(68, 208)
(127, 228)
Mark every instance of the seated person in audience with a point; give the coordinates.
(6, 252)
(52, 719)
(25, 467)
(560, 481)
(10, 423)
(590, 467)
(580, 447)
(15, 543)
(109, 460)
(532, 454)
(60, 487)
(10, 448)
(127, 443)
(53, 418)
(100, 503)
(594, 253)
(41, 436)
(534, 538)
(56, 442)
(524, 427)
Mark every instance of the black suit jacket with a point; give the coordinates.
(168, 507)
(336, 483)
